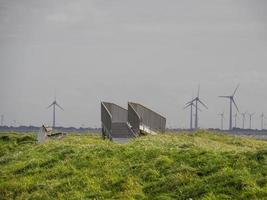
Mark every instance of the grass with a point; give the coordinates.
(202, 165)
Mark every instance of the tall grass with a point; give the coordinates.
(201, 165)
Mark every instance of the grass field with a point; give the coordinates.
(201, 165)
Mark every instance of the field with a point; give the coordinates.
(201, 165)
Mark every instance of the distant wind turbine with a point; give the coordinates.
(243, 119)
(222, 118)
(250, 119)
(262, 120)
(232, 101)
(236, 117)
(195, 101)
(191, 105)
(54, 104)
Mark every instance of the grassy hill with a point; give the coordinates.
(202, 165)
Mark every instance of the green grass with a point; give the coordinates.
(202, 165)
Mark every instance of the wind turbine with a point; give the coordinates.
(232, 101)
(262, 120)
(195, 101)
(243, 119)
(250, 119)
(54, 104)
(191, 105)
(222, 118)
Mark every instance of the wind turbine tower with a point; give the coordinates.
(262, 120)
(222, 118)
(232, 101)
(190, 104)
(250, 119)
(243, 119)
(195, 101)
(54, 104)
(236, 117)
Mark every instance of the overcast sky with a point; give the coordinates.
(148, 51)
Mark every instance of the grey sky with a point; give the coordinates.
(153, 52)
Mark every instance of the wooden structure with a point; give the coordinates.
(46, 132)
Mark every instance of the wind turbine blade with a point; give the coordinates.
(235, 90)
(203, 104)
(235, 105)
(189, 103)
(187, 106)
(244, 114)
(50, 105)
(192, 96)
(198, 90)
(59, 106)
(224, 96)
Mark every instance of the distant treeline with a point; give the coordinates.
(35, 129)
(219, 130)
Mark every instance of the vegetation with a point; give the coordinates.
(201, 165)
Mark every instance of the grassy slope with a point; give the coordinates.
(198, 166)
